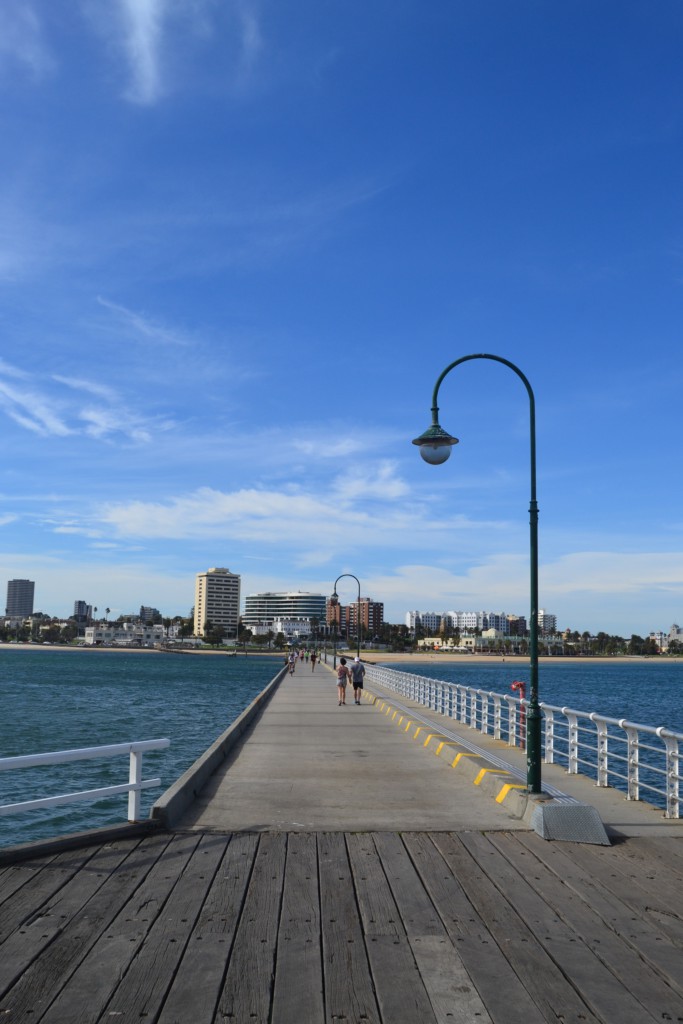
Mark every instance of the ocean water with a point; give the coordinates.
(645, 692)
(56, 700)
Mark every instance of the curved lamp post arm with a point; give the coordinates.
(334, 594)
(435, 445)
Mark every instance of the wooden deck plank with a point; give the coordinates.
(53, 966)
(48, 881)
(248, 988)
(598, 986)
(400, 990)
(543, 979)
(38, 932)
(92, 984)
(504, 996)
(349, 994)
(298, 994)
(450, 988)
(636, 928)
(198, 982)
(151, 973)
(625, 963)
(12, 878)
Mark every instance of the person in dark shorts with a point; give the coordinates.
(357, 673)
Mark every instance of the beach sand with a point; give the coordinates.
(372, 657)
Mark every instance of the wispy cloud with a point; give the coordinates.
(156, 37)
(22, 40)
(145, 326)
(35, 405)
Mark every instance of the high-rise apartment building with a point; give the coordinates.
(19, 598)
(217, 600)
(370, 613)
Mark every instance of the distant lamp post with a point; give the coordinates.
(435, 447)
(335, 597)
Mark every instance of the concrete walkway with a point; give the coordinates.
(310, 765)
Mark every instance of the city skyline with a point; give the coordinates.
(238, 249)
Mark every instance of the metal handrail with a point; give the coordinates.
(613, 751)
(133, 787)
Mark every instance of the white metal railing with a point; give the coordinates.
(630, 756)
(133, 787)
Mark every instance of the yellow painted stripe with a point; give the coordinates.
(417, 732)
(388, 711)
(506, 789)
(445, 743)
(394, 715)
(454, 763)
(400, 720)
(408, 725)
(485, 771)
(431, 737)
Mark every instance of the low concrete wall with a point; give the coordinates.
(172, 804)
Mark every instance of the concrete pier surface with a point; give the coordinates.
(310, 765)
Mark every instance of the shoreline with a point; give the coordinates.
(374, 657)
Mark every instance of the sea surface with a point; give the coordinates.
(644, 692)
(57, 700)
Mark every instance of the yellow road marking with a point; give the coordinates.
(417, 732)
(506, 789)
(485, 771)
(462, 753)
(408, 725)
(431, 737)
(445, 743)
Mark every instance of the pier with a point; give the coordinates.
(356, 864)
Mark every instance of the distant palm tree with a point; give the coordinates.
(106, 612)
(94, 612)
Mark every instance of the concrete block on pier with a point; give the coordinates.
(568, 822)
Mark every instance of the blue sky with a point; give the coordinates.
(239, 241)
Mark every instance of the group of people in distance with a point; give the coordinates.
(354, 675)
(294, 656)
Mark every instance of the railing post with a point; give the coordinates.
(602, 750)
(496, 716)
(573, 742)
(484, 724)
(512, 720)
(549, 735)
(672, 774)
(134, 778)
(633, 758)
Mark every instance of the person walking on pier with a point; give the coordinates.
(343, 676)
(357, 673)
(313, 657)
(292, 663)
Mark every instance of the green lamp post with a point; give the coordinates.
(335, 597)
(435, 447)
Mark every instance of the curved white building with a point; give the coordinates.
(293, 604)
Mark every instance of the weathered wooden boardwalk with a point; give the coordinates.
(367, 927)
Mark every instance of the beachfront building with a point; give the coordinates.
(217, 600)
(264, 609)
(124, 634)
(292, 629)
(547, 623)
(19, 599)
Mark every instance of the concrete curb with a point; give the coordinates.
(504, 787)
(172, 804)
(77, 840)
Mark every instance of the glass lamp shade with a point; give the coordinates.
(435, 454)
